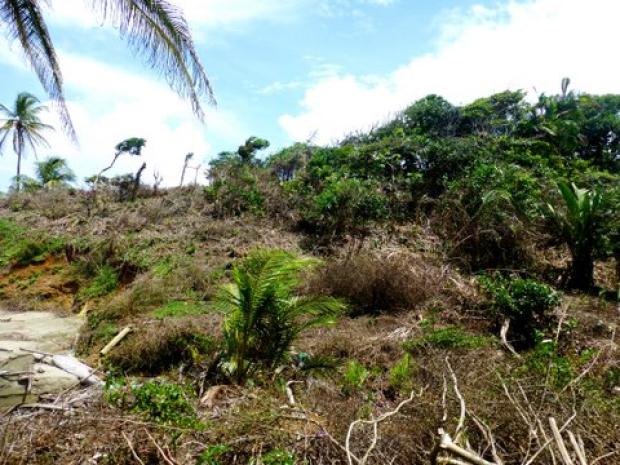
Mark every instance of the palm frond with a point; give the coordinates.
(263, 314)
(158, 31)
(25, 23)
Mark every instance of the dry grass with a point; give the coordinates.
(379, 282)
(158, 346)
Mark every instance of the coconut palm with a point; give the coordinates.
(54, 171)
(23, 124)
(155, 29)
(263, 314)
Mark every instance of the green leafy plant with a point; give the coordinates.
(579, 224)
(402, 372)
(212, 454)
(526, 302)
(165, 402)
(355, 376)
(106, 280)
(263, 314)
(546, 359)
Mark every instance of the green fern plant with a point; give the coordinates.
(579, 224)
(264, 315)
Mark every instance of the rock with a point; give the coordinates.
(25, 374)
(616, 390)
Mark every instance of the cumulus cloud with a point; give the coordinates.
(113, 104)
(527, 45)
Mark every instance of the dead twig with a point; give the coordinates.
(133, 452)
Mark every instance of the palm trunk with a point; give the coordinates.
(19, 171)
(582, 271)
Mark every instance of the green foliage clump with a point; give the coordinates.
(355, 376)
(106, 280)
(212, 454)
(263, 314)
(236, 193)
(545, 359)
(18, 248)
(526, 302)
(54, 172)
(451, 337)
(345, 206)
(178, 309)
(401, 373)
(160, 401)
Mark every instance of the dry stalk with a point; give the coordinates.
(374, 423)
(133, 452)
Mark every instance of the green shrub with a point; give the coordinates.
(105, 281)
(581, 223)
(344, 206)
(546, 360)
(236, 193)
(165, 403)
(526, 302)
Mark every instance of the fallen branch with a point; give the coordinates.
(503, 333)
(117, 339)
(43, 406)
(167, 459)
(133, 452)
(448, 445)
(351, 457)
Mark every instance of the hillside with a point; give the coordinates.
(457, 267)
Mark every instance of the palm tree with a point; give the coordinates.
(25, 126)
(263, 314)
(155, 29)
(54, 171)
(579, 224)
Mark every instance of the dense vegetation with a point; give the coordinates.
(303, 289)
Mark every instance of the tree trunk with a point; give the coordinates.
(582, 271)
(136, 182)
(19, 171)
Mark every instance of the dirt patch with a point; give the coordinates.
(43, 286)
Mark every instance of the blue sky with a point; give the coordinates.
(288, 70)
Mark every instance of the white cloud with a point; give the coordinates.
(111, 104)
(518, 45)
